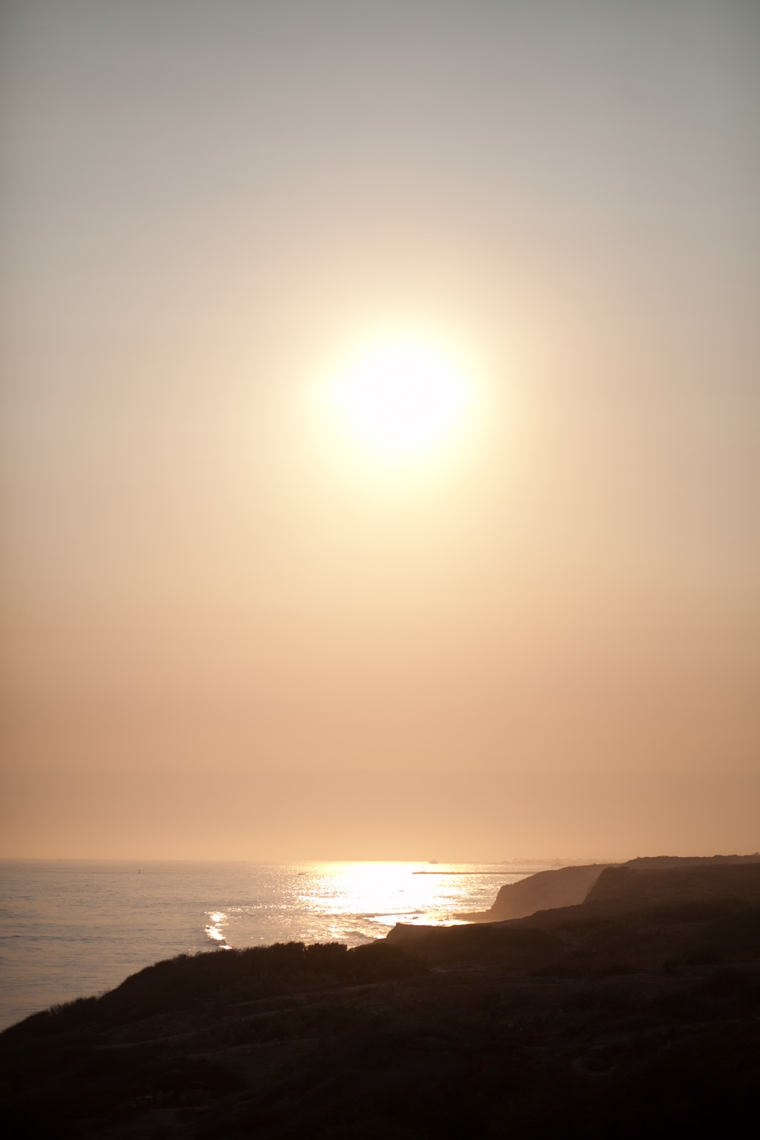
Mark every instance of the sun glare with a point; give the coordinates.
(401, 399)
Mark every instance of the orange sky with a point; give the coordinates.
(228, 634)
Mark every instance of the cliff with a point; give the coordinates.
(631, 920)
(542, 891)
(569, 886)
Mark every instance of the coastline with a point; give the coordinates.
(564, 1021)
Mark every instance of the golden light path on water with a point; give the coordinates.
(354, 902)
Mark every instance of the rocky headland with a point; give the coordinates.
(568, 886)
(634, 1011)
(565, 886)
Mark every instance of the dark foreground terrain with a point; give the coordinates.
(635, 1013)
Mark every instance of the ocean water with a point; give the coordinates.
(74, 928)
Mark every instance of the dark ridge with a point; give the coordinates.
(678, 883)
(634, 1013)
(661, 862)
(568, 886)
(236, 975)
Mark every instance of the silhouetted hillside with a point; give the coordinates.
(637, 886)
(568, 886)
(635, 1013)
(641, 920)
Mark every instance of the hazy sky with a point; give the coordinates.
(227, 632)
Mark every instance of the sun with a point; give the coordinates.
(401, 398)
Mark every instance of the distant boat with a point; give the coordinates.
(431, 861)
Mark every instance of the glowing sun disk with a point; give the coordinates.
(401, 398)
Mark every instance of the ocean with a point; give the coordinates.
(75, 928)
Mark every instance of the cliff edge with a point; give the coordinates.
(545, 890)
(570, 886)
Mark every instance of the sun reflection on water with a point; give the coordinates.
(217, 920)
(355, 902)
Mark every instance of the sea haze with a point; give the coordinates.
(72, 928)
